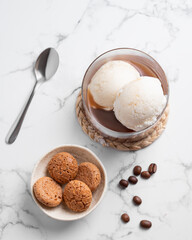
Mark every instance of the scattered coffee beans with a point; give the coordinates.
(152, 168)
(132, 179)
(125, 217)
(145, 174)
(137, 170)
(123, 183)
(145, 224)
(137, 200)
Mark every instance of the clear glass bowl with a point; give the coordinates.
(128, 54)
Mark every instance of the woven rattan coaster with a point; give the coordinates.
(119, 143)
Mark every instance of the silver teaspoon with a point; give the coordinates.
(45, 67)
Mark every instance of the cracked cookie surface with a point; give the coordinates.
(48, 192)
(63, 167)
(89, 174)
(77, 196)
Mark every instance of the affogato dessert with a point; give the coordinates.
(126, 95)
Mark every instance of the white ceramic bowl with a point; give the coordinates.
(81, 154)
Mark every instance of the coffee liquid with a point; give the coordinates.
(107, 118)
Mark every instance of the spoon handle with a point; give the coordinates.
(15, 128)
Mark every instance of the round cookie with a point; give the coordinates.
(63, 167)
(48, 192)
(89, 174)
(77, 196)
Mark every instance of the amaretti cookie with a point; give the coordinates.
(48, 192)
(63, 167)
(77, 196)
(89, 174)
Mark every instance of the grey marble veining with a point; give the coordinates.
(80, 31)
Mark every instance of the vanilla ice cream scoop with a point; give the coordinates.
(139, 103)
(109, 79)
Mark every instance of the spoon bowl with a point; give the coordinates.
(46, 65)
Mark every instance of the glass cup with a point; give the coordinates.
(126, 54)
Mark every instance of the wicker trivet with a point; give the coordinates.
(119, 143)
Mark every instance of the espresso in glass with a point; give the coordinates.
(105, 121)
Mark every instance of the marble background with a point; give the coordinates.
(80, 31)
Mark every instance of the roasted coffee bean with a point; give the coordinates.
(145, 174)
(145, 224)
(137, 170)
(137, 200)
(125, 217)
(132, 179)
(152, 168)
(123, 183)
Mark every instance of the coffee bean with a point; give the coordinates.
(123, 183)
(152, 168)
(145, 174)
(137, 200)
(125, 217)
(137, 170)
(132, 179)
(145, 224)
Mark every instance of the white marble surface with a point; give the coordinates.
(80, 31)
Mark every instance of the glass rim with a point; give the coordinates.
(111, 132)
